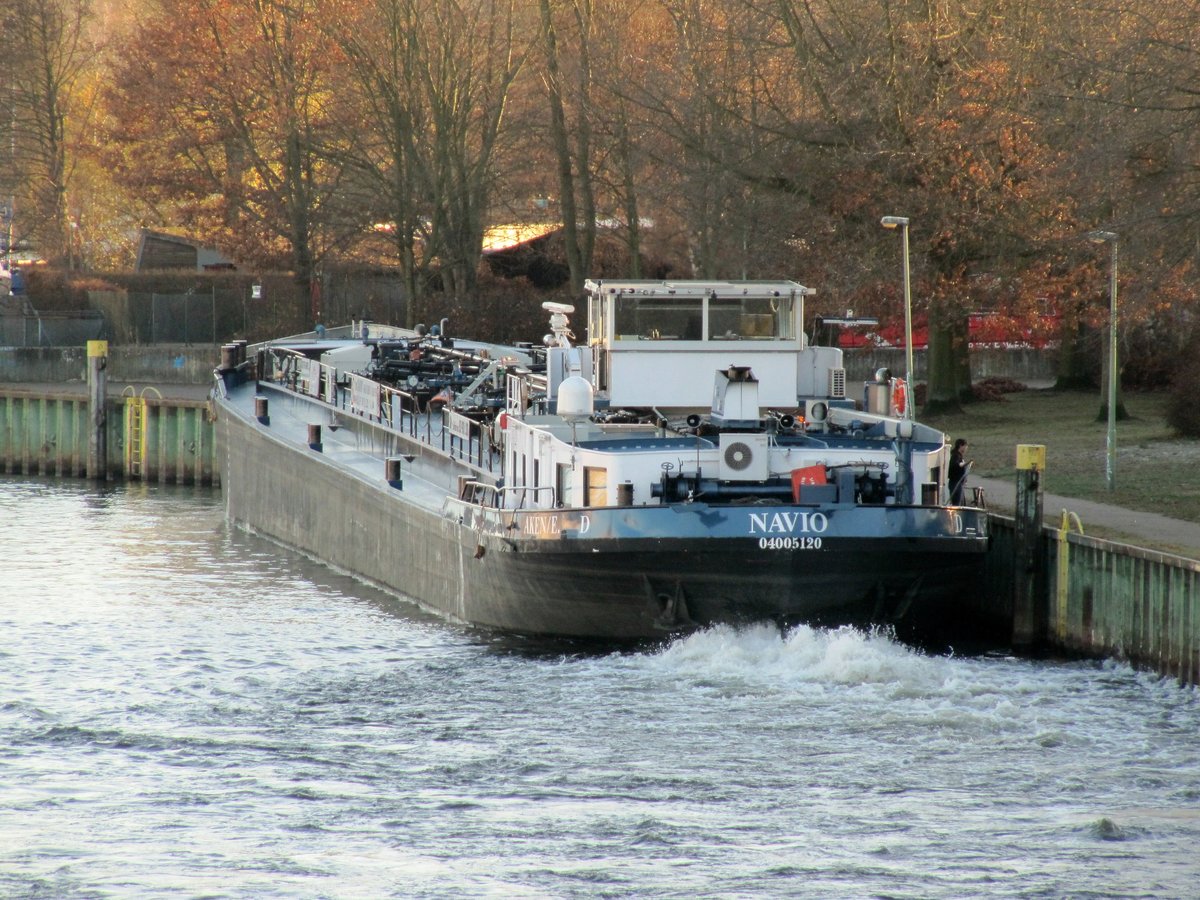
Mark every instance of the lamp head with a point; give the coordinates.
(894, 221)
(1101, 237)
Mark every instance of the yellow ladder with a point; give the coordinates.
(135, 445)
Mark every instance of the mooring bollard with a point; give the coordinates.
(314, 437)
(1028, 593)
(260, 410)
(97, 457)
(392, 472)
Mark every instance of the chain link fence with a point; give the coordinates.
(52, 329)
(185, 318)
(209, 311)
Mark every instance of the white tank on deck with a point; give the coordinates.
(576, 400)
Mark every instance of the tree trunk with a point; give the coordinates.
(943, 369)
(562, 152)
(629, 196)
(583, 141)
(961, 349)
(1072, 357)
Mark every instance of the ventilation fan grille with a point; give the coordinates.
(739, 456)
(744, 457)
(837, 383)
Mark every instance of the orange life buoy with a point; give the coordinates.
(899, 396)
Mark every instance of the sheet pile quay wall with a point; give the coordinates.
(1103, 599)
(149, 438)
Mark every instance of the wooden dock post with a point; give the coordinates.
(97, 453)
(1028, 583)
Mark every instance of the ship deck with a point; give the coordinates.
(353, 444)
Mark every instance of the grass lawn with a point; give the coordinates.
(1156, 470)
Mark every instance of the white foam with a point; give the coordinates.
(802, 654)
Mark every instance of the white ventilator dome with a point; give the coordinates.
(575, 398)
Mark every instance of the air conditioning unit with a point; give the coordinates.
(744, 457)
(837, 383)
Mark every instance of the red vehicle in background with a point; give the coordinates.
(1016, 332)
(985, 329)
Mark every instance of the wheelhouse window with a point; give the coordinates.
(750, 319)
(703, 318)
(659, 318)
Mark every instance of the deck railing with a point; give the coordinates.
(440, 428)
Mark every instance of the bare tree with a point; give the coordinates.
(698, 94)
(228, 104)
(432, 79)
(49, 53)
(573, 157)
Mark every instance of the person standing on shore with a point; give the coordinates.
(959, 467)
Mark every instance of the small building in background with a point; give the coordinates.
(530, 250)
(158, 250)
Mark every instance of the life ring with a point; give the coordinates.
(899, 396)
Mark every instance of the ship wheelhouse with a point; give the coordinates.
(707, 392)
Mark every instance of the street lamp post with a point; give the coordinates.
(901, 222)
(1109, 237)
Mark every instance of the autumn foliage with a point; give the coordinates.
(716, 139)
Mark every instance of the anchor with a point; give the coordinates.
(672, 608)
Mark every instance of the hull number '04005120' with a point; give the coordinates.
(789, 543)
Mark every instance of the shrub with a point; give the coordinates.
(501, 309)
(995, 387)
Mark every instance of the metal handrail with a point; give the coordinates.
(285, 371)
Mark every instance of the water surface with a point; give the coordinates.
(187, 710)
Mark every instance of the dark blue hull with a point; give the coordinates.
(636, 585)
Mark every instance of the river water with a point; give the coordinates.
(187, 710)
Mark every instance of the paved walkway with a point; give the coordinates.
(1142, 529)
(115, 387)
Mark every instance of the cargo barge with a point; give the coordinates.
(694, 461)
